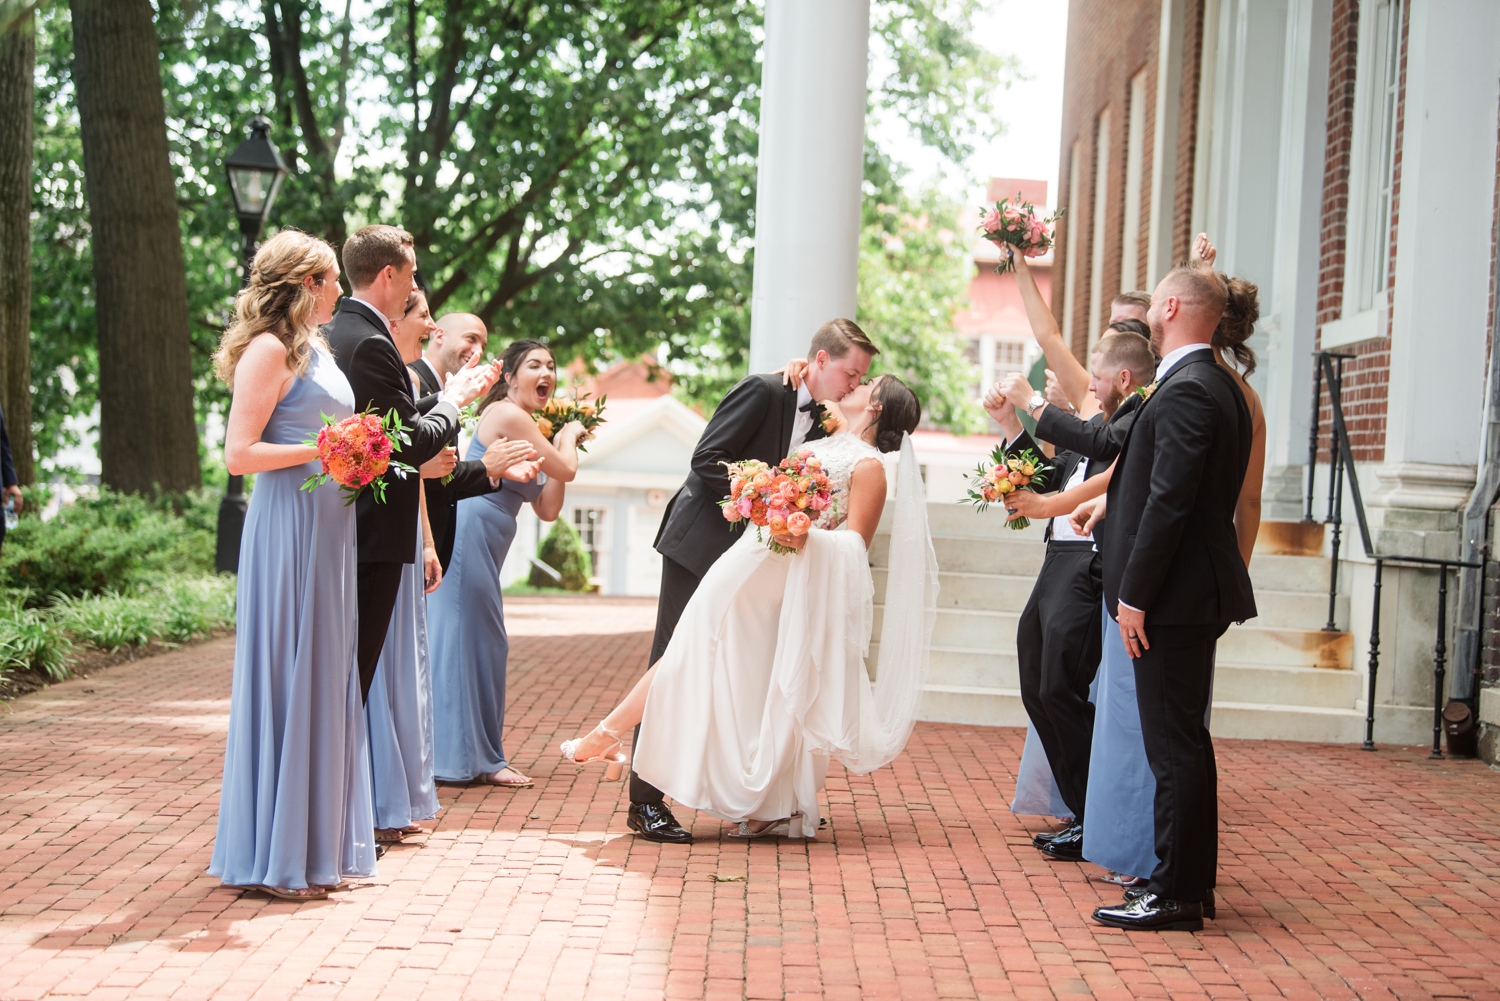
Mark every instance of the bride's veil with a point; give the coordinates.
(911, 590)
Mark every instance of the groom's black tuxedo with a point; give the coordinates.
(362, 346)
(1172, 552)
(470, 478)
(754, 421)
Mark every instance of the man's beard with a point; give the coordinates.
(1157, 336)
(1111, 400)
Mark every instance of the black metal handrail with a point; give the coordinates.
(1330, 368)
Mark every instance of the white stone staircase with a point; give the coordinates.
(1279, 676)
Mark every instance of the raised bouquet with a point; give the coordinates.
(1014, 223)
(1006, 473)
(356, 452)
(558, 413)
(783, 499)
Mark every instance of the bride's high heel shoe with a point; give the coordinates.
(614, 754)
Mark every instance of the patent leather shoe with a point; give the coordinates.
(1209, 911)
(1067, 846)
(1037, 840)
(1149, 912)
(654, 822)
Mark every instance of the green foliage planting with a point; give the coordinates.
(563, 551)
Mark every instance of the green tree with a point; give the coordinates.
(563, 551)
(914, 273)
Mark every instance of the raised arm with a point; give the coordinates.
(1071, 375)
(559, 459)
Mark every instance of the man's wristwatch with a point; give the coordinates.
(1034, 404)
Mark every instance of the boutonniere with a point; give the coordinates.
(833, 419)
(1144, 392)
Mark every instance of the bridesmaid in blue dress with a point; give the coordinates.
(466, 614)
(294, 811)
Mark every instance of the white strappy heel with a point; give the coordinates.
(614, 754)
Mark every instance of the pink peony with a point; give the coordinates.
(819, 502)
(732, 512)
(747, 503)
(991, 221)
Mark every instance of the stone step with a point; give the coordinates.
(967, 521)
(994, 632)
(974, 554)
(1288, 573)
(984, 591)
(1298, 609)
(1283, 685)
(1289, 538)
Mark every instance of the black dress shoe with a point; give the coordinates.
(1066, 846)
(1209, 911)
(1149, 912)
(1037, 840)
(654, 822)
(380, 851)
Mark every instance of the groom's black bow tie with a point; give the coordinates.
(811, 407)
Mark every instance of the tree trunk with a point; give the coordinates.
(17, 65)
(147, 438)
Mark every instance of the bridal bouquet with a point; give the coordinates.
(782, 498)
(1007, 473)
(557, 413)
(1014, 223)
(356, 452)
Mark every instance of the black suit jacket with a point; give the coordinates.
(1171, 549)
(754, 421)
(470, 478)
(363, 348)
(1065, 462)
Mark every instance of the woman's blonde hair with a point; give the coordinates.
(278, 302)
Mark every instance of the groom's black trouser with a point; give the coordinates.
(1173, 686)
(378, 585)
(1058, 648)
(678, 584)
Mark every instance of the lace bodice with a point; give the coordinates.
(840, 454)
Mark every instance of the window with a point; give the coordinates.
(591, 524)
(1372, 172)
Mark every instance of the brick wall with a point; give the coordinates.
(1109, 41)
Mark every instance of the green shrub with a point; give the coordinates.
(563, 551)
(31, 639)
(110, 543)
(176, 612)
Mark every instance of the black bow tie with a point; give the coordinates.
(811, 407)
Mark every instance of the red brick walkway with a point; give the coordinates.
(1345, 874)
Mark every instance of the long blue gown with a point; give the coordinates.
(1036, 786)
(466, 621)
(294, 810)
(399, 711)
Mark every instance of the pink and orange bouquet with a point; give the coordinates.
(356, 453)
(1014, 223)
(784, 499)
(1007, 473)
(558, 412)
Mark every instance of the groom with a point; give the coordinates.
(760, 418)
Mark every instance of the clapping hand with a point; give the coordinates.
(471, 382)
(522, 472)
(1016, 389)
(1054, 393)
(504, 453)
(441, 464)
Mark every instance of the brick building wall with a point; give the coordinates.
(1109, 42)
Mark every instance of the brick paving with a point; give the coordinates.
(1344, 874)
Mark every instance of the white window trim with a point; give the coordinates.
(1074, 230)
(1097, 311)
(1367, 165)
(1130, 225)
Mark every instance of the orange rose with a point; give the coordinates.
(798, 523)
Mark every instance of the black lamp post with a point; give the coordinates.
(255, 171)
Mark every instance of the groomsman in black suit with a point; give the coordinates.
(1057, 638)
(762, 417)
(381, 264)
(460, 338)
(1174, 580)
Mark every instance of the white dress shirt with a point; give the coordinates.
(803, 421)
(1062, 528)
(390, 325)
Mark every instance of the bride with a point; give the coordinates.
(764, 681)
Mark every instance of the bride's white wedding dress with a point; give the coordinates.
(764, 680)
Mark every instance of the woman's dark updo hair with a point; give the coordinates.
(1130, 325)
(510, 363)
(900, 412)
(1238, 322)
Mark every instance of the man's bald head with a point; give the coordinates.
(1186, 307)
(459, 337)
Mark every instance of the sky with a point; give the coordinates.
(1036, 31)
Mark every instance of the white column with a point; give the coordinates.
(811, 165)
(1164, 145)
(1443, 237)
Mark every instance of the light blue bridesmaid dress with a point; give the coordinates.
(1036, 787)
(466, 621)
(294, 810)
(399, 712)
